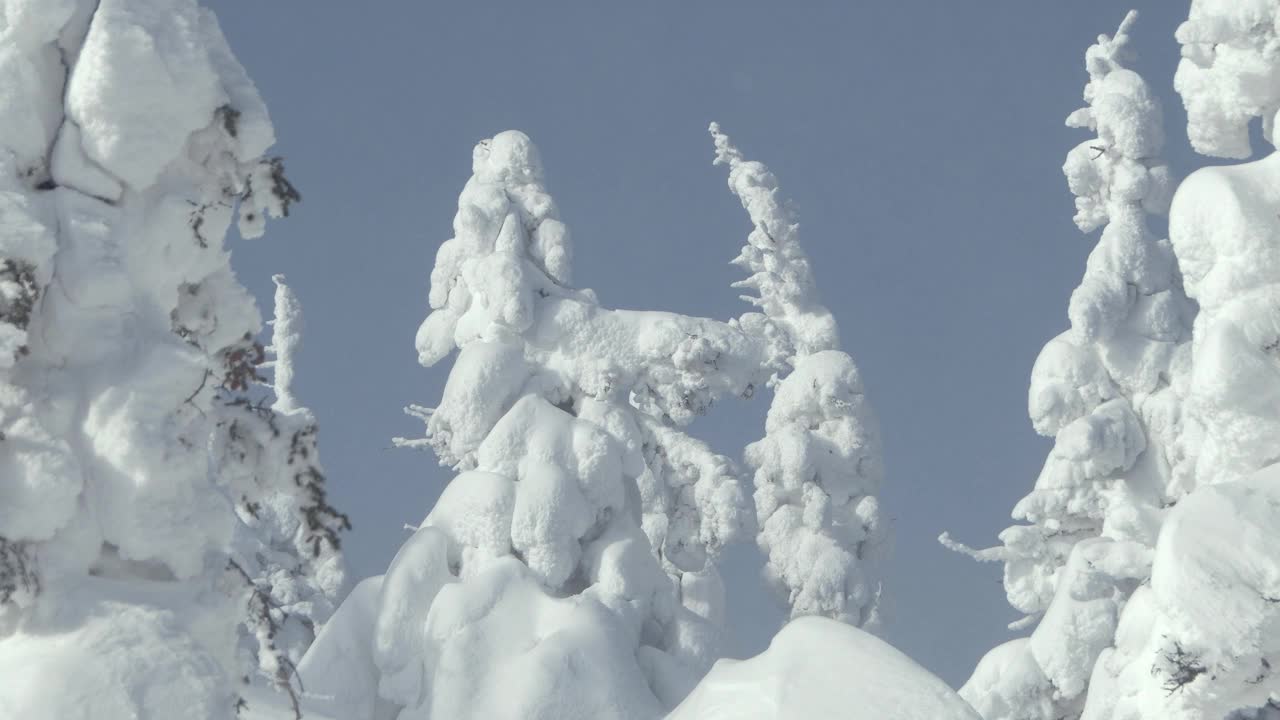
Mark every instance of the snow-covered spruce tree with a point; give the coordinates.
(1201, 639)
(130, 133)
(567, 570)
(1108, 392)
(286, 546)
(818, 469)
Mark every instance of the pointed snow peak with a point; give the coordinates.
(286, 338)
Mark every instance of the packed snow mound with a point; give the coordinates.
(337, 674)
(816, 668)
(505, 649)
(1008, 683)
(114, 651)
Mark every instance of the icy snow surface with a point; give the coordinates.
(819, 669)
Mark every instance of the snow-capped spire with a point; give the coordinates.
(286, 339)
(818, 469)
(779, 267)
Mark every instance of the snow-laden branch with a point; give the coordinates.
(779, 268)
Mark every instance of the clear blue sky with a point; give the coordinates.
(922, 142)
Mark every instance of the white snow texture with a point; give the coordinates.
(568, 571)
(130, 134)
(1149, 566)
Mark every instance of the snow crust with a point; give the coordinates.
(815, 669)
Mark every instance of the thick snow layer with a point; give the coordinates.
(817, 475)
(1008, 683)
(568, 570)
(338, 675)
(1202, 638)
(1224, 226)
(1229, 73)
(815, 669)
(114, 650)
(1110, 391)
(159, 531)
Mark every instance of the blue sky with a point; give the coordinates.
(922, 142)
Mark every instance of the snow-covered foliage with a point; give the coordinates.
(1199, 638)
(1109, 392)
(816, 668)
(568, 570)
(286, 547)
(1229, 74)
(127, 433)
(818, 468)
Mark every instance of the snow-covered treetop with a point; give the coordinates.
(1105, 391)
(1120, 170)
(779, 267)
(503, 280)
(508, 246)
(818, 468)
(1229, 73)
(286, 339)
